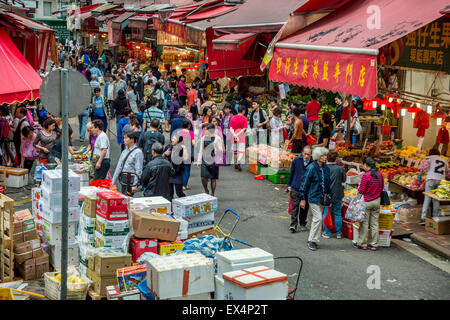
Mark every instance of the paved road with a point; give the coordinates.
(337, 270)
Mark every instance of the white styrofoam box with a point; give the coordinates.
(53, 232)
(201, 296)
(219, 293)
(54, 215)
(52, 181)
(35, 208)
(150, 204)
(166, 275)
(200, 223)
(258, 283)
(112, 227)
(182, 235)
(87, 191)
(83, 269)
(242, 259)
(73, 255)
(84, 179)
(16, 177)
(54, 199)
(191, 206)
(103, 240)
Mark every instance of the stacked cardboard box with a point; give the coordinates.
(151, 229)
(198, 210)
(31, 261)
(102, 270)
(111, 220)
(36, 194)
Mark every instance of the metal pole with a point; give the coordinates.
(65, 176)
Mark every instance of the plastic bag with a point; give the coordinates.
(356, 210)
(38, 172)
(290, 205)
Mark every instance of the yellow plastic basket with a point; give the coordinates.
(6, 294)
(385, 221)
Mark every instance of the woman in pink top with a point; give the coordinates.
(27, 150)
(182, 91)
(238, 128)
(371, 185)
(217, 131)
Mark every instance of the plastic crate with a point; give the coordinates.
(385, 221)
(279, 178)
(384, 240)
(75, 291)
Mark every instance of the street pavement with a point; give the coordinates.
(337, 270)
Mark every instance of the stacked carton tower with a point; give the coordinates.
(50, 215)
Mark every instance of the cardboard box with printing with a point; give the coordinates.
(53, 200)
(54, 214)
(33, 253)
(103, 240)
(112, 227)
(23, 221)
(114, 293)
(87, 223)
(90, 205)
(141, 246)
(53, 232)
(107, 265)
(99, 283)
(194, 205)
(20, 237)
(200, 223)
(112, 205)
(34, 268)
(150, 204)
(52, 181)
(438, 225)
(129, 277)
(166, 248)
(410, 213)
(154, 225)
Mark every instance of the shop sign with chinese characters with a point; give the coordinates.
(338, 72)
(427, 48)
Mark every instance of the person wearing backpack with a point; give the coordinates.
(131, 161)
(20, 122)
(148, 138)
(99, 108)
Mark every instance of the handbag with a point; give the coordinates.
(356, 210)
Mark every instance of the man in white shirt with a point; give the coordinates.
(149, 76)
(101, 152)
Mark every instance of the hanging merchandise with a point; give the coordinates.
(421, 122)
(443, 138)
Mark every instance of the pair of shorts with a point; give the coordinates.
(238, 147)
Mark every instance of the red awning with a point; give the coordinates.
(209, 14)
(231, 42)
(84, 9)
(339, 52)
(37, 26)
(23, 82)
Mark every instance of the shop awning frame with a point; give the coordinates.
(364, 51)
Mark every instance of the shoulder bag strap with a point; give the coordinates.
(126, 158)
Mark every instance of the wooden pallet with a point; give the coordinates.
(6, 241)
(95, 296)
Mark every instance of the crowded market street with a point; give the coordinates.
(204, 150)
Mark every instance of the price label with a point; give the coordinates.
(262, 158)
(417, 164)
(408, 164)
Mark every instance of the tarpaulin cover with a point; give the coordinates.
(351, 26)
(23, 81)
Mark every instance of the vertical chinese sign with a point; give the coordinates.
(338, 72)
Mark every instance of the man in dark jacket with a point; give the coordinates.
(177, 124)
(298, 169)
(155, 177)
(120, 104)
(148, 138)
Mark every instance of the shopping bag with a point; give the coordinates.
(290, 205)
(328, 219)
(356, 209)
(220, 159)
(310, 140)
